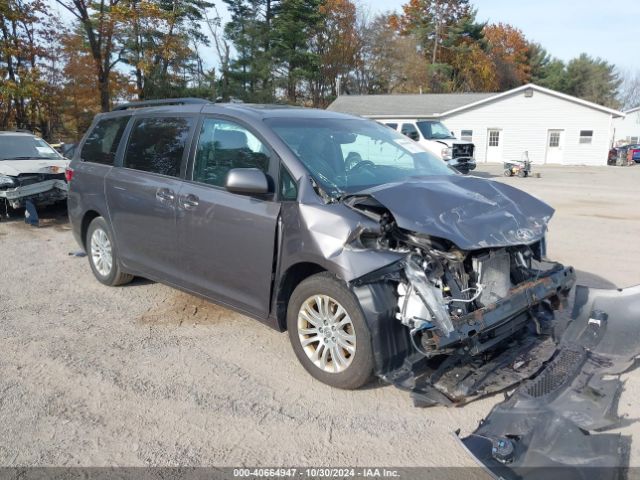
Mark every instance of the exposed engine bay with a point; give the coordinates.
(470, 322)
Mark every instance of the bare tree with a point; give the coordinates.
(629, 90)
(222, 48)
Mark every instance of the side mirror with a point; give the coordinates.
(247, 181)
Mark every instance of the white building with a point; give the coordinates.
(627, 129)
(551, 126)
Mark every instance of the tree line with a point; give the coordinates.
(55, 75)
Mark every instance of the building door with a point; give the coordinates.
(494, 145)
(554, 146)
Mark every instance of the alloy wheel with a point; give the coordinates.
(101, 252)
(326, 333)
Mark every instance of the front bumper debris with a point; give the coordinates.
(550, 427)
(490, 350)
(47, 191)
(462, 164)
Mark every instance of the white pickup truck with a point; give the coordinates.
(438, 139)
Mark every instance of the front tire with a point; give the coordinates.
(103, 256)
(329, 334)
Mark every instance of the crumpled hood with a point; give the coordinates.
(13, 168)
(471, 212)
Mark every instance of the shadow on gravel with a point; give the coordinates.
(180, 309)
(50, 216)
(476, 173)
(592, 280)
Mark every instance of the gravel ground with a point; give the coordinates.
(146, 375)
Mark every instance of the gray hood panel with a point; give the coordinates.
(471, 212)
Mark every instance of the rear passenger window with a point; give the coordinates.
(102, 143)
(224, 145)
(157, 144)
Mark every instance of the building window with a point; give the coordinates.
(554, 139)
(586, 136)
(466, 135)
(494, 138)
(633, 140)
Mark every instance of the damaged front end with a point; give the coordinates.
(42, 188)
(465, 323)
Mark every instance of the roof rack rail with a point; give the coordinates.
(160, 102)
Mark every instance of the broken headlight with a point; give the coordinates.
(7, 182)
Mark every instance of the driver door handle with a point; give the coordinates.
(189, 202)
(165, 195)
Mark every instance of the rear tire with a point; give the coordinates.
(103, 256)
(329, 334)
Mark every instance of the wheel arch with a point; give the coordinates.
(87, 218)
(289, 280)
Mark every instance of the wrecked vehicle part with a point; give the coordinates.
(489, 351)
(332, 236)
(552, 422)
(476, 321)
(42, 193)
(40, 180)
(472, 213)
(431, 298)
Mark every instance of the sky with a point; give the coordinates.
(566, 28)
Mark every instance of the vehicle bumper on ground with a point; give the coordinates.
(555, 425)
(463, 164)
(42, 193)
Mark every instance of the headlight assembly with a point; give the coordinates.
(7, 182)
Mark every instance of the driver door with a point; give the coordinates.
(227, 240)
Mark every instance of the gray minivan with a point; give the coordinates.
(373, 254)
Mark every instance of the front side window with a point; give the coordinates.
(224, 145)
(345, 155)
(102, 143)
(586, 136)
(394, 126)
(288, 187)
(410, 130)
(434, 130)
(157, 145)
(25, 147)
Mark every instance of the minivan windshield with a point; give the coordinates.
(25, 147)
(349, 155)
(434, 130)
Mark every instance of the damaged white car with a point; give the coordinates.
(30, 169)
